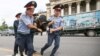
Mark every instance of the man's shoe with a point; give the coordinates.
(34, 51)
(21, 55)
(41, 52)
(52, 55)
(25, 52)
(14, 55)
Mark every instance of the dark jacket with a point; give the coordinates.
(16, 22)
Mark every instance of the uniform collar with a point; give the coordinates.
(56, 17)
(29, 16)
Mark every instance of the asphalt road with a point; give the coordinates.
(69, 46)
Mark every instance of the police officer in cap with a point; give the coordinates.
(15, 25)
(24, 38)
(54, 30)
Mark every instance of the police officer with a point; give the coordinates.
(24, 38)
(56, 25)
(32, 31)
(15, 25)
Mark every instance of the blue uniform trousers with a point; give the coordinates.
(32, 37)
(52, 37)
(25, 40)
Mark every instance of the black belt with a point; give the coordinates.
(22, 33)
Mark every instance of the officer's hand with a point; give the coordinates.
(39, 30)
(52, 30)
(52, 22)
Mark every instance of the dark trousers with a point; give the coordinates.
(25, 40)
(15, 47)
(52, 37)
(32, 37)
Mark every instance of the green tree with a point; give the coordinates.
(11, 27)
(4, 26)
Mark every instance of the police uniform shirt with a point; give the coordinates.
(23, 22)
(58, 21)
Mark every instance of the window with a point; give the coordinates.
(83, 6)
(93, 5)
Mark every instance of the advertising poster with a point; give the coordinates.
(82, 20)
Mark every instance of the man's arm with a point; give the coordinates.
(29, 24)
(59, 28)
(14, 25)
(50, 23)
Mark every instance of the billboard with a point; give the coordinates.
(82, 20)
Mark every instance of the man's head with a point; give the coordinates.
(18, 16)
(30, 7)
(57, 12)
(30, 11)
(57, 9)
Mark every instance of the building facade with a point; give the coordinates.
(73, 6)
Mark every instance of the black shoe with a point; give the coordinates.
(21, 55)
(25, 52)
(34, 51)
(14, 55)
(41, 52)
(52, 55)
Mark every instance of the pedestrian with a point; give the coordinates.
(55, 26)
(15, 25)
(24, 38)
